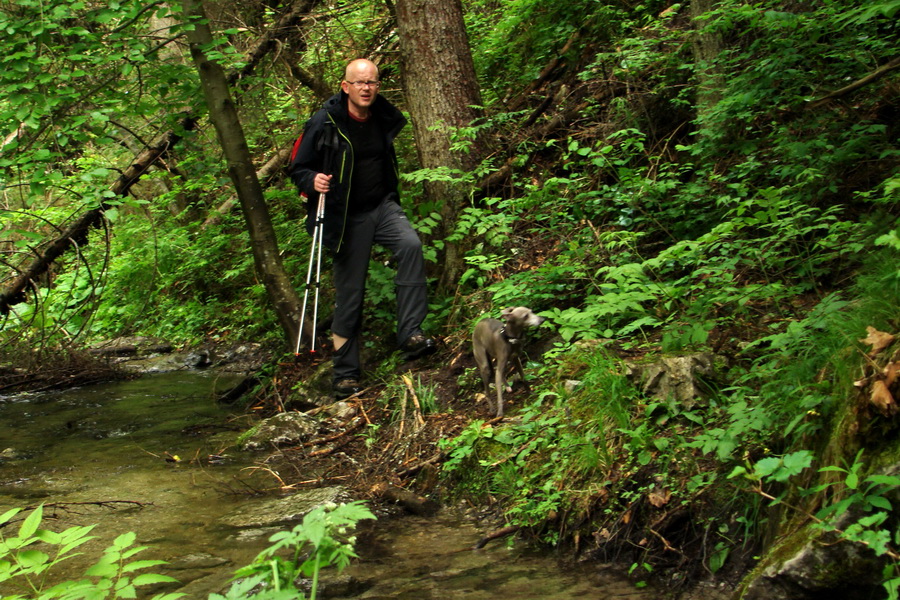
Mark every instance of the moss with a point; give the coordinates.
(247, 435)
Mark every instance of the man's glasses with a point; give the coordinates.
(362, 84)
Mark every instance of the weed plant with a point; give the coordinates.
(29, 560)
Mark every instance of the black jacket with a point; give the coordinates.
(324, 140)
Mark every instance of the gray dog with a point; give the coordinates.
(496, 346)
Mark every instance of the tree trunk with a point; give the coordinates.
(706, 48)
(76, 234)
(223, 114)
(441, 89)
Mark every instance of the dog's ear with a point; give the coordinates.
(506, 313)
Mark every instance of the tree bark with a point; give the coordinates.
(706, 47)
(223, 114)
(441, 89)
(76, 233)
(862, 82)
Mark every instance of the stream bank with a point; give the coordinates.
(155, 455)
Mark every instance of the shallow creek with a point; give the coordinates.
(116, 442)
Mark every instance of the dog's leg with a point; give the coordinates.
(517, 362)
(500, 380)
(483, 360)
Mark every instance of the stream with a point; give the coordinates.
(153, 455)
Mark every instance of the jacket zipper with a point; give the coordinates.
(344, 156)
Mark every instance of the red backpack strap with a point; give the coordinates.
(296, 147)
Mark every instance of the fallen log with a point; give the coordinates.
(76, 234)
(413, 503)
(503, 532)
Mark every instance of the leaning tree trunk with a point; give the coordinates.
(224, 116)
(441, 90)
(706, 48)
(76, 234)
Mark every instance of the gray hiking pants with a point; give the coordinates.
(388, 227)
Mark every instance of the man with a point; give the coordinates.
(347, 152)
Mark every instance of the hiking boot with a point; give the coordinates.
(345, 388)
(417, 346)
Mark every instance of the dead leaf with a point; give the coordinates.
(890, 373)
(659, 498)
(879, 340)
(882, 398)
(626, 518)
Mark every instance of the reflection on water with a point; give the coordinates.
(418, 558)
(117, 442)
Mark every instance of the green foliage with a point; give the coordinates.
(28, 560)
(859, 508)
(323, 538)
(561, 443)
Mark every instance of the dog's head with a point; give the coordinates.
(521, 316)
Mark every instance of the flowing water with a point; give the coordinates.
(152, 455)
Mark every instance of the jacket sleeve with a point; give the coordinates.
(306, 162)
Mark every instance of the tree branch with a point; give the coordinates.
(848, 89)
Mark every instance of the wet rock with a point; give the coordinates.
(242, 358)
(834, 570)
(152, 355)
(284, 429)
(244, 536)
(165, 363)
(10, 454)
(339, 586)
(283, 511)
(342, 410)
(678, 377)
(131, 346)
(197, 560)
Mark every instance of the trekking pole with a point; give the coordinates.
(315, 254)
(326, 145)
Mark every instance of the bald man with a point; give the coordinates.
(354, 134)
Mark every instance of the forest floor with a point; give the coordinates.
(389, 435)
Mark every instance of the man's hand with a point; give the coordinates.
(322, 183)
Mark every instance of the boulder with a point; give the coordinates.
(131, 346)
(284, 429)
(822, 567)
(281, 512)
(678, 377)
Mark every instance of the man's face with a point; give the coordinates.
(361, 96)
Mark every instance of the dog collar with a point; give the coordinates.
(511, 340)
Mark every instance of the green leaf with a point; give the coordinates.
(879, 502)
(48, 537)
(766, 466)
(32, 558)
(149, 578)
(8, 515)
(102, 569)
(125, 540)
(141, 564)
(30, 524)
(736, 472)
